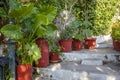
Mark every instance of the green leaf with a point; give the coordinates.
(41, 31)
(40, 20)
(51, 29)
(49, 11)
(21, 12)
(3, 14)
(12, 31)
(33, 51)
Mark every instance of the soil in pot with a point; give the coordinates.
(90, 43)
(77, 44)
(24, 72)
(65, 45)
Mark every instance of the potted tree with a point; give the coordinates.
(90, 42)
(66, 39)
(27, 27)
(116, 35)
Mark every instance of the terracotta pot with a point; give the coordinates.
(44, 60)
(116, 44)
(65, 45)
(77, 44)
(90, 43)
(54, 57)
(24, 72)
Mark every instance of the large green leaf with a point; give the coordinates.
(49, 11)
(51, 28)
(40, 20)
(12, 31)
(21, 12)
(33, 51)
(41, 31)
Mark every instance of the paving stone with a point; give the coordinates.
(92, 62)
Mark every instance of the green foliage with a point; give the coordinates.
(78, 34)
(67, 33)
(88, 33)
(30, 23)
(12, 31)
(53, 43)
(96, 14)
(3, 14)
(116, 30)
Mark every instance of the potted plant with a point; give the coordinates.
(27, 27)
(66, 39)
(78, 37)
(50, 13)
(77, 43)
(116, 35)
(90, 42)
(54, 49)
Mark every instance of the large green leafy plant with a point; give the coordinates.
(30, 23)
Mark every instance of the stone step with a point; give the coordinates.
(92, 62)
(105, 54)
(75, 71)
(104, 45)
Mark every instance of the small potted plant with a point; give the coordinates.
(78, 37)
(90, 42)
(54, 48)
(66, 39)
(77, 43)
(116, 35)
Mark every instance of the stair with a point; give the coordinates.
(76, 71)
(102, 63)
(104, 54)
(92, 62)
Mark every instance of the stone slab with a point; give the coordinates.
(75, 71)
(92, 62)
(105, 54)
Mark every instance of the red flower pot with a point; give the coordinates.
(54, 57)
(44, 60)
(77, 44)
(116, 44)
(90, 43)
(24, 72)
(65, 45)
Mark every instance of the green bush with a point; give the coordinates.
(116, 30)
(96, 14)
